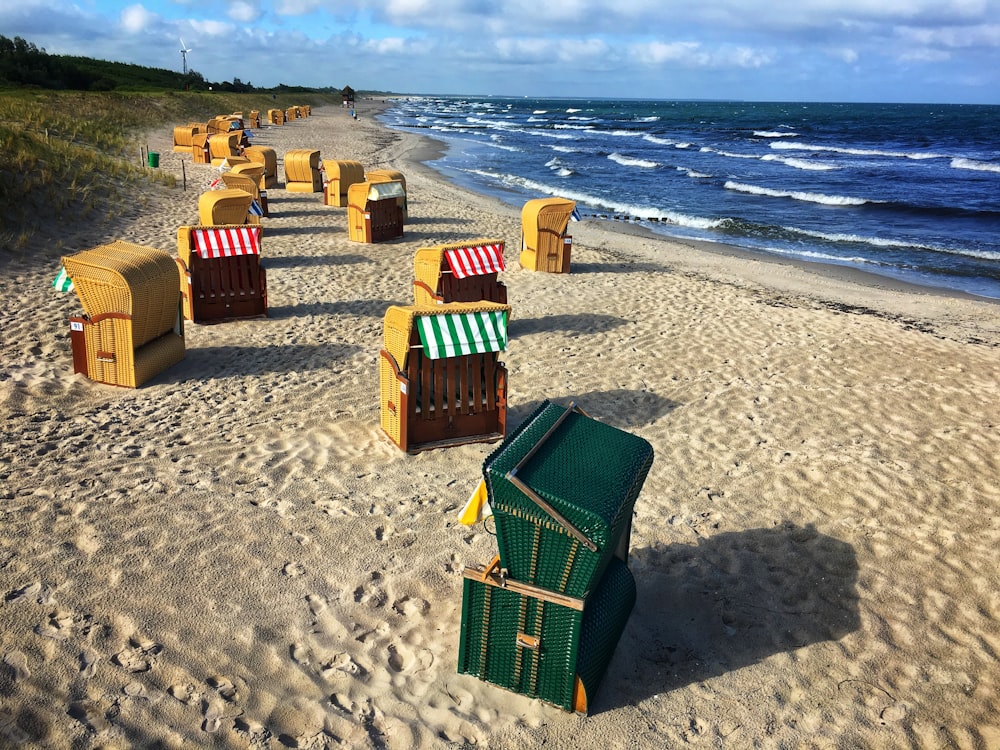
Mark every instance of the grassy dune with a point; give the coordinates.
(72, 156)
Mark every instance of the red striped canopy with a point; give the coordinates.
(475, 260)
(224, 242)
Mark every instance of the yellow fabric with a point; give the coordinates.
(477, 508)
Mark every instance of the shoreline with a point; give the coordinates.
(822, 283)
(235, 554)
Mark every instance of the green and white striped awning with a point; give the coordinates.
(453, 334)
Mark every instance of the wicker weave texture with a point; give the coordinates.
(245, 183)
(341, 175)
(571, 643)
(133, 280)
(589, 472)
(268, 158)
(543, 226)
(302, 173)
(227, 206)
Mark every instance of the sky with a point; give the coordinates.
(935, 51)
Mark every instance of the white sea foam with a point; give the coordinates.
(795, 146)
(693, 173)
(799, 163)
(620, 209)
(625, 133)
(729, 154)
(827, 200)
(979, 166)
(567, 149)
(659, 141)
(774, 134)
(571, 110)
(540, 112)
(627, 161)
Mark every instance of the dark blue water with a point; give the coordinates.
(910, 192)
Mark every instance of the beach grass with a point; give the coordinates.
(65, 156)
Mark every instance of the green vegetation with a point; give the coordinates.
(71, 156)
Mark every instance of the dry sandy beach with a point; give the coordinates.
(235, 555)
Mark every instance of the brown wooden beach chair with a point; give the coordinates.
(302, 171)
(391, 175)
(340, 176)
(373, 211)
(132, 328)
(220, 272)
(436, 389)
(462, 272)
(227, 206)
(545, 246)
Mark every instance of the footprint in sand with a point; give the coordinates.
(18, 662)
(293, 570)
(90, 715)
(139, 656)
(28, 592)
(88, 663)
(186, 694)
(212, 711)
(225, 687)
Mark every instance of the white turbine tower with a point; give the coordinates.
(184, 55)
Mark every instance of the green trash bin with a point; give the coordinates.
(154, 159)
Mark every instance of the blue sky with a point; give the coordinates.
(814, 50)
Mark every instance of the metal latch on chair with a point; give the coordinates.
(529, 641)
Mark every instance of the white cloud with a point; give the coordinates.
(135, 19)
(243, 11)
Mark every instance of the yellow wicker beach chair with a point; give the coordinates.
(220, 272)
(302, 171)
(438, 389)
(268, 158)
(391, 175)
(373, 211)
(275, 117)
(225, 146)
(461, 272)
(291, 114)
(254, 120)
(199, 148)
(545, 246)
(183, 135)
(340, 176)
(132, 328)
(246, 183)
(227, 206)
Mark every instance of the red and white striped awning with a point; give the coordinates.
(225, 242)
(475, 260)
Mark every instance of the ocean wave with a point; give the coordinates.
(659, 141)
(799, 163)
(896, 244)
(571, 110)
(568, 149)
(632, 211)
(559, 167)
(729, 154)
(979, 166)
(693, 173)
(774, 134)
(627, 161)
(795, 146)
(827, 200)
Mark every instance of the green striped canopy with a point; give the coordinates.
(452, 334)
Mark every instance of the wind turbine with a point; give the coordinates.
(184, 55)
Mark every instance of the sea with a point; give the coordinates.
(906, 191)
